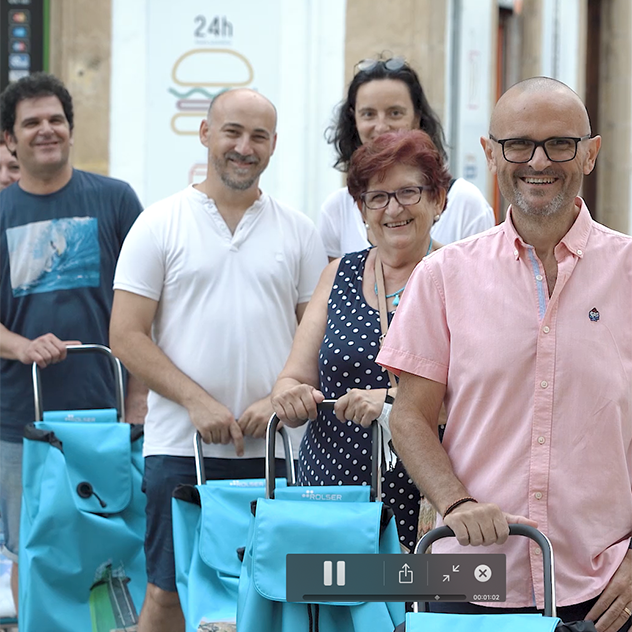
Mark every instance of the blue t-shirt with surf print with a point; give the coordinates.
(58, 254)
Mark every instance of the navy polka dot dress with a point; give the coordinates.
(333, 453)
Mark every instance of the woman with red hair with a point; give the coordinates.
(399, 183)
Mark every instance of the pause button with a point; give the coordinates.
(328, 573)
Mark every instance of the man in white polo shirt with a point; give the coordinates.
(209, 288)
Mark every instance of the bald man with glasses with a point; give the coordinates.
(527, 336)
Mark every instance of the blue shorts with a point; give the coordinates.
(162, 475)
(10, 496)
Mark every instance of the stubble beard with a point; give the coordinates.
(221, 167)
(237, 185)
(531, 207)
(552, 208)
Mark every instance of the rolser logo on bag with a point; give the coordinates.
(246, 483)
(310, 494)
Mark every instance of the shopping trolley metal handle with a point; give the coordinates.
(514, 529)
(325, 405)
(89, 348)
(200, 471)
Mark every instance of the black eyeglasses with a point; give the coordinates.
(406, 196)
(557, 148)
(393, 64)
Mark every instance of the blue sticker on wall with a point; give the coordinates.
(57, 254)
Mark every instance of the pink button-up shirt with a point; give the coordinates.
(539, 392)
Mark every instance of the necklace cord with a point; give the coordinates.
(381, 301)
(395, 295)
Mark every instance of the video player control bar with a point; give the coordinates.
(437, 577)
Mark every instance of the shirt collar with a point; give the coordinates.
(574, 241)
(258, 204)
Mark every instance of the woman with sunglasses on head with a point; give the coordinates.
(386, 95)
(399, 183)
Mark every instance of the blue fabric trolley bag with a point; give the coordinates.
(323, 520)
(210, 525)
(82, 528)
(438, 622)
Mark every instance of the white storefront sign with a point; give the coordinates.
(170, 60)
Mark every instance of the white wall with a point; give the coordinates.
(128, 102)
(470, 98)
(296, 51)
(560, 41)
(312, 85)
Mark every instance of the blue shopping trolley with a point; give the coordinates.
(296, 520)
(427, 621)
(210, 526)
(82, 528)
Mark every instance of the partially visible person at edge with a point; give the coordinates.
(209, 288)
(532, 352)
(53, 215)
(9, 166)
(399, 183)
(386, 95)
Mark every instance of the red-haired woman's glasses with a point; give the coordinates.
(406, 196)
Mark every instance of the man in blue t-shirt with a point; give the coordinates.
(61, 231)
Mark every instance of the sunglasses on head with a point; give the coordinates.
(393, 64)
